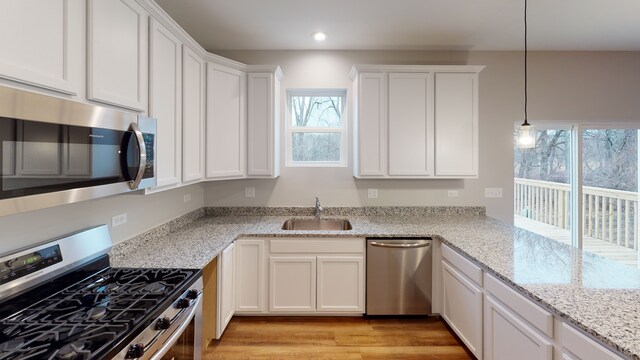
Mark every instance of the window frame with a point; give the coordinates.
(289, 129)
(575, 174)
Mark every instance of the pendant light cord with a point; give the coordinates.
(525, 62)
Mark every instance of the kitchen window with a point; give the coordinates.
(316, 129)
(598, 163)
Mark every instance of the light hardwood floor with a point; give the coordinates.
(333, 338)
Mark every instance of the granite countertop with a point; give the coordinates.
(596, 294)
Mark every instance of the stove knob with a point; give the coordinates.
(183, 303)
(192, 294)
(163, 323)
(135, 351)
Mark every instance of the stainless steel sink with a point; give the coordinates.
(313, 224)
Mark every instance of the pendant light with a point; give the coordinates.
(526, 137)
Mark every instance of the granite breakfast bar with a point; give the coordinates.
(594, 294)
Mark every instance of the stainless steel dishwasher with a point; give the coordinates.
(399, 276)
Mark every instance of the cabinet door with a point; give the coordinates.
(456, 124)
(577, 346)
(292, 284)
(250, 279)
(340, 283)
(41, 43)
(507, 337)
(226, 122)
(410, 124)
(371, 125)
(262, 125)
(192, 116)
(165, 101)
(462, 308)
(226, 288)
(118, 51)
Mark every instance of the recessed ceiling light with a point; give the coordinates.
(319, 36)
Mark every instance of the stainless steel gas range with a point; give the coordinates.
(61, 300)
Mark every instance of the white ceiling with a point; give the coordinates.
(409, 24)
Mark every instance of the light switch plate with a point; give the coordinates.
(493, 192)
(187, 197)
(250, 192)
(372, 193)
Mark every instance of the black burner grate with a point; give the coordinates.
(91, 317)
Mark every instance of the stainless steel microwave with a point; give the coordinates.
(55, 151)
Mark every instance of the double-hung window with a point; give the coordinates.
(316, 128)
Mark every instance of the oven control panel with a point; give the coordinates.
(26, 264)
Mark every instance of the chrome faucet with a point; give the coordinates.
(319, 209)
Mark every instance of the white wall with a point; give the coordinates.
(574, 86)
(144, 212)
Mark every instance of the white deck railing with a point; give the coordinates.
(609, 215)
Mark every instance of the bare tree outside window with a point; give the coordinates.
(610, 158)
(316, 127)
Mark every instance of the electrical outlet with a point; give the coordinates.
(452, 193)
(250, 192)
(493, 192)
(119, 220)
(372, 193)
(187, 197)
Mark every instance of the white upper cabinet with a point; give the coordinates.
(410, 124)
(193, 116)
(371, 122)
(226, 123)
(165, 101)
(118, 51)
(41, 43)
(263, 118)
(415, 121)
(456, 121)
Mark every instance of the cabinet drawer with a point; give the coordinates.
(534, 314)
(317, 245)
(471, 270)
(583, 347)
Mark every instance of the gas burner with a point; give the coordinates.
(154, 288)
(108, 288)
(70, 351)
(97, 313)
(11, 345)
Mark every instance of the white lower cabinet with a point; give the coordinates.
(292, 283)
(299, 276)
(577, 346)
(462, 307)
(226, 288)
(250, 276)
(340, 283)
(507, 337)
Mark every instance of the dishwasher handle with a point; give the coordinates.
(397, 245)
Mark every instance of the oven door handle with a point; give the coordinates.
(142, 151)
(168, 344)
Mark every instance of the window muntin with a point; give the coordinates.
(316, 128)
